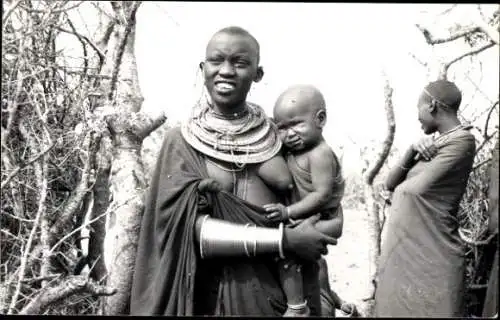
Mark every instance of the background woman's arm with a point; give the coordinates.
(398, 173)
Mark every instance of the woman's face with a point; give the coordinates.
(230, 67)
(425, 115)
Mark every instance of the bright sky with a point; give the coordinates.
(340, 48)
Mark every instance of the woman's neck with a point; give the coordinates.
(235, 111)
(448, 123)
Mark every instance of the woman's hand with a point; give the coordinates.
(209, 185)
(425, 147)
(277, 212)
(305, 241)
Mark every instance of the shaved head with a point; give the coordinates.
(445, 93)
(237, 31)
(300, 115)
(303, 97)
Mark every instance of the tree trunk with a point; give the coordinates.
(128, 127)
(374, 226)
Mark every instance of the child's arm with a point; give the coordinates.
(323, 168)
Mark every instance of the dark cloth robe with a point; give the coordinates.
(490, 308)
(422, 263)
(169, 277)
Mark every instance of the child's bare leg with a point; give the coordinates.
(347, 308)
(292, 282)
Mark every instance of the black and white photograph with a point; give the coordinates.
(256, 159)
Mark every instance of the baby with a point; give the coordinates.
(300, 115)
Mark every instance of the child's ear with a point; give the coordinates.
(320, 118)
(259, 74)
(201, 65)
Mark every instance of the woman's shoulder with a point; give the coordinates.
(460, 141)
(461, 136)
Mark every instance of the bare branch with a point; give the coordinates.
(103, 41)
(82, 38)
(485, 134)
(142, 124)
(68, 287)
(40, 212)
(486, 139)
(454, 36)
(486, 28)
(16, 171)
(76, 230)
(424, 64)
(391, 128)
(53, 11)
(121, 47)
(480, 164)
(13, 105)
(444, 69)
(91, 144)
(8, 12)
(491, 32)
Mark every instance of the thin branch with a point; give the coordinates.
(142, 124)
(13, 105)
(8, 12)
(91, 144)
(480, 164)
(36, 158)
(391, 128)
(478, 88)
(81, 38)
(454, 36)
(488, 119)
(486, 28)
(76, 230)
(52, 11)
(68, 287)
(424, 64)
(121, 47)
(486, 139)
(446, 66)
(102, 43)
(39, 214)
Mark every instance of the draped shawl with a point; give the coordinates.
(167, 258)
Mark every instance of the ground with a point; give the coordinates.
(348, 260)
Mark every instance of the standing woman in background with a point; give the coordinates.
(422, 263)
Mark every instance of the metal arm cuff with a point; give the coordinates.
(219, 238)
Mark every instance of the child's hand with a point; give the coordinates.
(278, 212)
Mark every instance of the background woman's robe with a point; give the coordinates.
(422, 263)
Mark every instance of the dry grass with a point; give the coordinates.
(348, 260)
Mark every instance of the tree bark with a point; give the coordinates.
(68, 287)
(128, 127)
(372, 205)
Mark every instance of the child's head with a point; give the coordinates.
(439, 99)
(300, 114)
